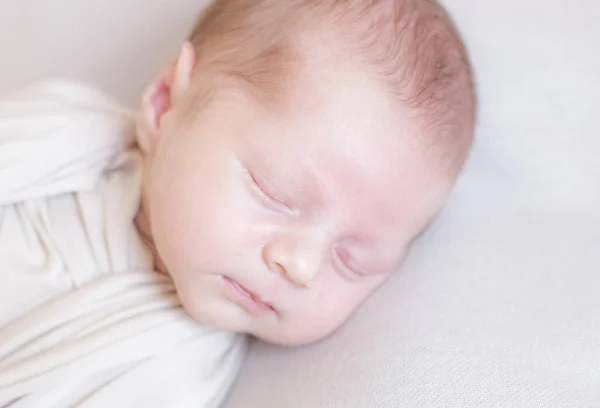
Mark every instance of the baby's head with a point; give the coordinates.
(293, 153)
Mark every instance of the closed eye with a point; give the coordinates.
(267, 198)
(347, 263)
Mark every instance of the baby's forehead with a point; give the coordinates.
(342, 123)
(366, 171)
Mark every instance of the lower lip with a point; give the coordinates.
(246, 299)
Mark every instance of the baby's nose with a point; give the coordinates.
(298, 260)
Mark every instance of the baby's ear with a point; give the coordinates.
(161, 95)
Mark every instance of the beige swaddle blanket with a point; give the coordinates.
(84, 320)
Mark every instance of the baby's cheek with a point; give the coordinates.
(215, 231)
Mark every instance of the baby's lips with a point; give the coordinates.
(252, 302)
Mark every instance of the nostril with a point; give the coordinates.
(277, 267)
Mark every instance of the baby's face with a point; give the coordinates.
(281, 224)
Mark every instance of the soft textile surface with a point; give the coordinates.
(499, 304)
(84, 320)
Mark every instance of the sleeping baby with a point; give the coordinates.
(275, 175)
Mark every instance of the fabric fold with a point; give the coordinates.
(84, 319)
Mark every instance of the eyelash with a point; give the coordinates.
(344, 256)
(264, 195)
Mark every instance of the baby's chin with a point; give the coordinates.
(212, 310)
(294, 331)
(282, 336)
(224, 315)
(204, 300)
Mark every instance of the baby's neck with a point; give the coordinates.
(143, 226)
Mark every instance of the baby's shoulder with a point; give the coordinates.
(69, 180)
(59, 137)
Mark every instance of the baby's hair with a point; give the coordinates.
(410, 45)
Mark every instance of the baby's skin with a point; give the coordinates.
(280, 222)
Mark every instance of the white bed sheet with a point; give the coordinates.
(499, 305)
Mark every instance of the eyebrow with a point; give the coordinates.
(314, 182)
(297, 178)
